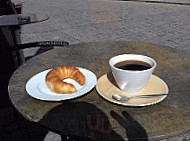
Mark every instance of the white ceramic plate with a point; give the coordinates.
(106, 88)
(36, 87)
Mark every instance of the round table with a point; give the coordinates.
(91, 116)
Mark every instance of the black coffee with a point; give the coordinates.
(134, 65)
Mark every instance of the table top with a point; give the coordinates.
(94, 117)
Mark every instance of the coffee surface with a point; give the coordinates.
(134, 65)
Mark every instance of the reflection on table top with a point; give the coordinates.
(91, 115)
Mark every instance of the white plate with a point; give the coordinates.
(36, 86)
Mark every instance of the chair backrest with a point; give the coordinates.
(9, 60)
(10, 36)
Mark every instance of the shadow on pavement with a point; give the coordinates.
(39, 51)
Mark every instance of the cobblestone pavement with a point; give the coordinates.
(94, 20)
(78, 21)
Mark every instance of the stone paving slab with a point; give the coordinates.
(87, 20)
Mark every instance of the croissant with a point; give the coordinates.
(54, 79)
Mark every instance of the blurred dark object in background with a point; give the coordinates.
(9, 36)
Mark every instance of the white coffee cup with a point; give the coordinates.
(132, 81)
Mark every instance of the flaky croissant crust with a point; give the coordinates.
(54, 79)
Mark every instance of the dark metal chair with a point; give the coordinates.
(11, 53)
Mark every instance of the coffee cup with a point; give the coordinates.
(132, 71)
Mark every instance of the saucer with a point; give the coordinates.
(106, 87)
